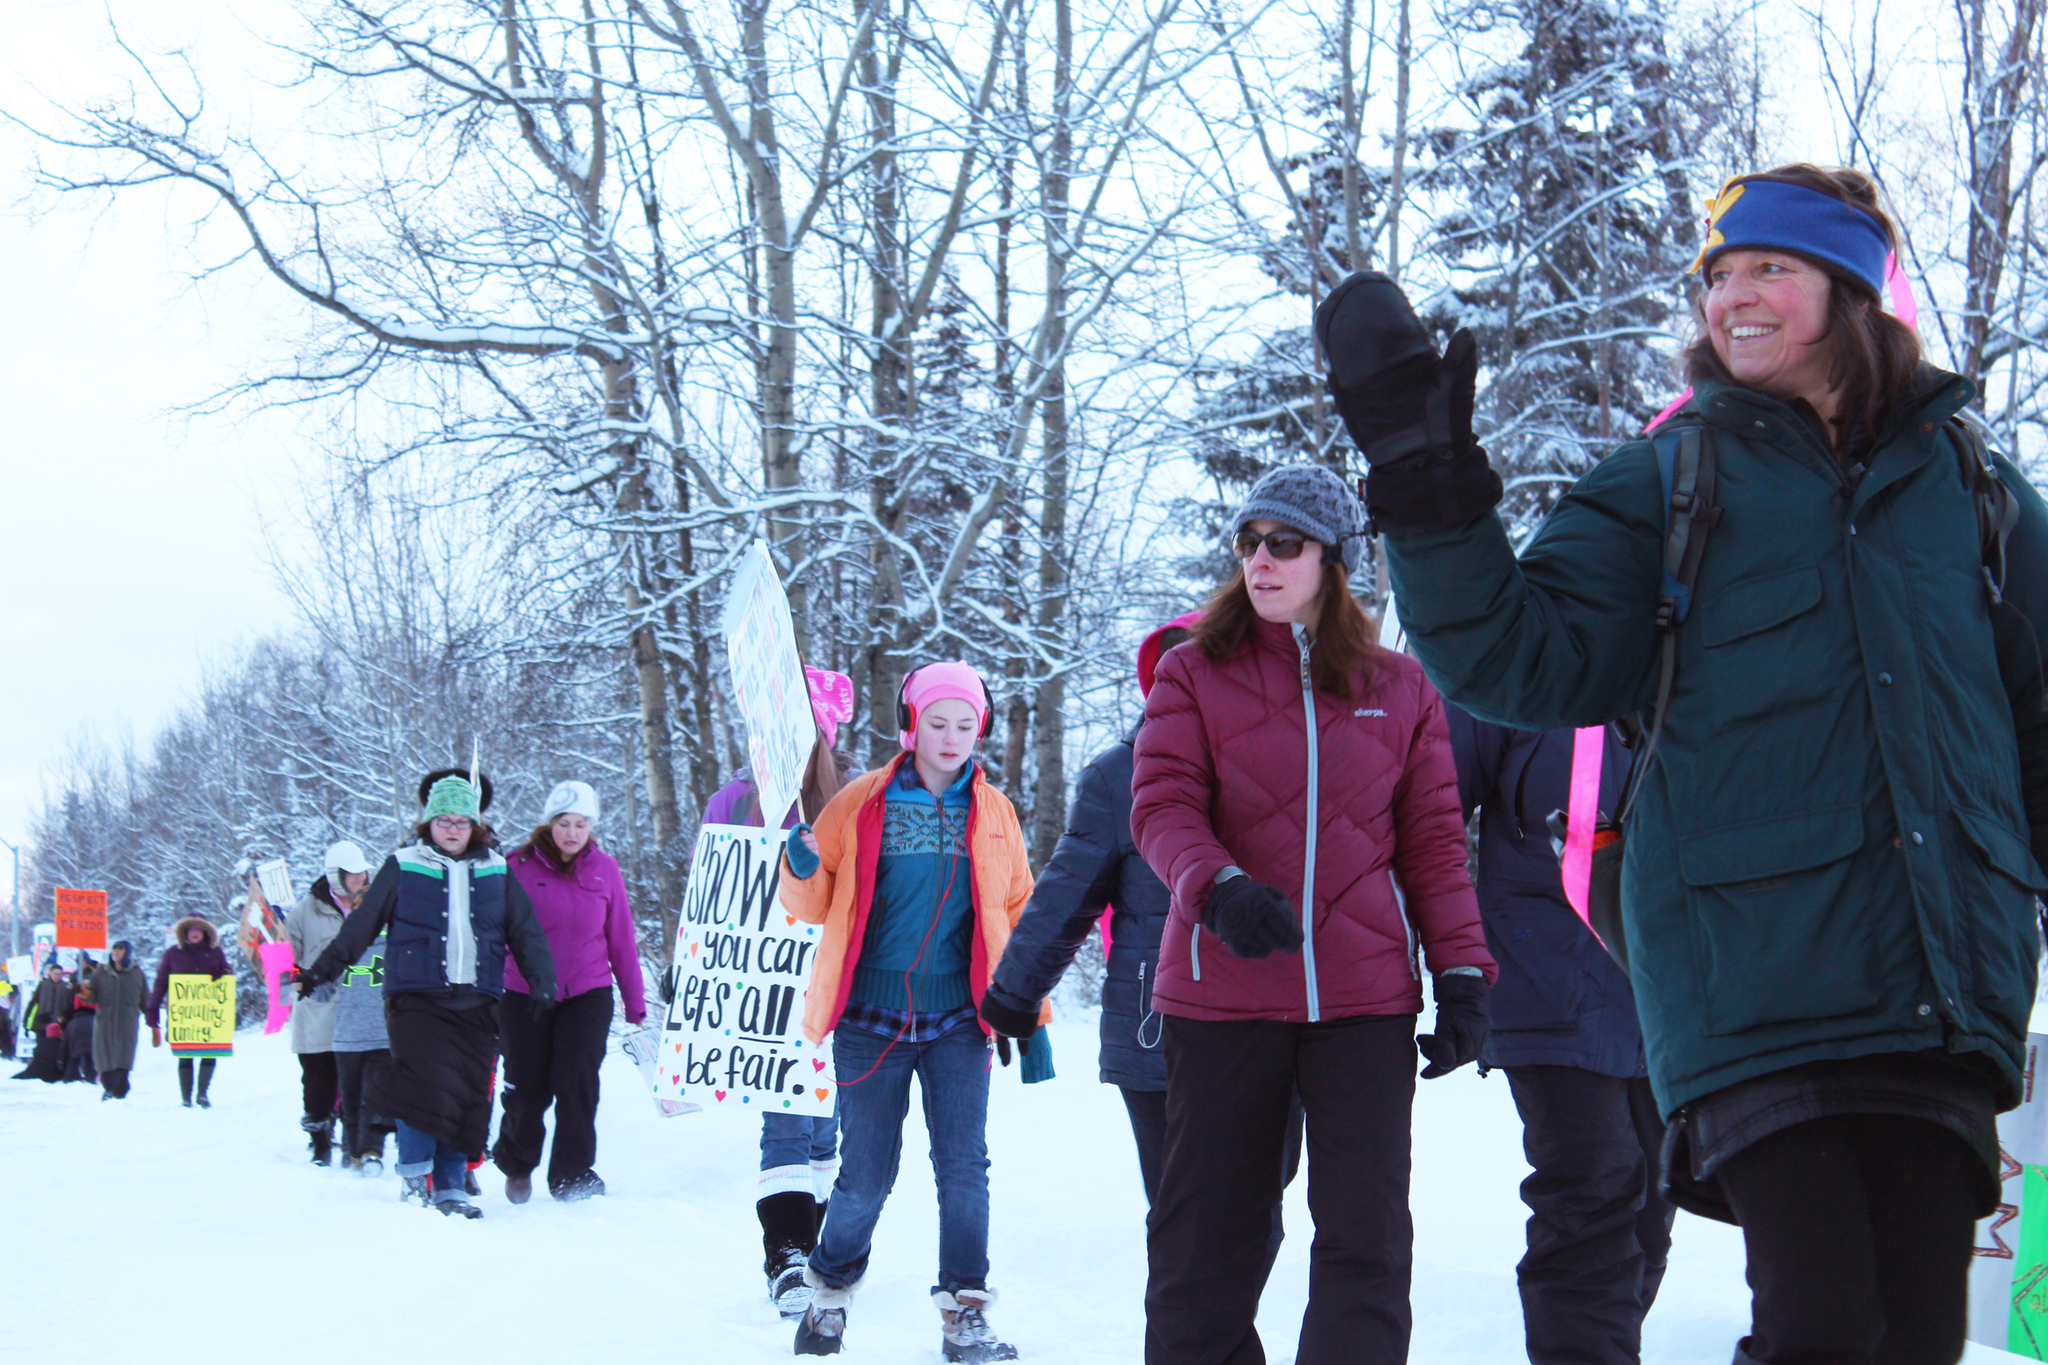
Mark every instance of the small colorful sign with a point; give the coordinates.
(733, 1040)
(278, 968)
(201, 1015)
(81, 918)
(275, 877)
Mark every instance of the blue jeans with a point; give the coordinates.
(420, 1154)
(799, 1152)
(952, 1074)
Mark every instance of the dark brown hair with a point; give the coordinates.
(822, 779)
(1346, 654)
(542, 841)
(480, 836)
(1876, 355)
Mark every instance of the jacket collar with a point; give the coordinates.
(1935, 396)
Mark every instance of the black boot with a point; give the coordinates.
(823, 1329)
(789, 1230)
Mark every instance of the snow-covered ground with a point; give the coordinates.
(212, 1237)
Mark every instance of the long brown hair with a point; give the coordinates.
(542, 841)
(1876, 355)
(1345, 655)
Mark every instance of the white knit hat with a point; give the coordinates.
(571, 798)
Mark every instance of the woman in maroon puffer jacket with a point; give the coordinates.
(1250, 824)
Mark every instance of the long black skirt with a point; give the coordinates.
(439, 1077)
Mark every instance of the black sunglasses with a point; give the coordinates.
(1282, 544)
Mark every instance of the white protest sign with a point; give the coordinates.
(768, 680)
(276, 880)
(734, 1040)
(22, 970)
(643, 1045)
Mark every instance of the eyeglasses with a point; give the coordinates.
(452, 822)
(1282, 544)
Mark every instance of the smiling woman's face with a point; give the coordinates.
(1767, 317)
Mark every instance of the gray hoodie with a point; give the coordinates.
(359, 1003)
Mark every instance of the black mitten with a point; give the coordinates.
(1252, 918)
(1461, 1025)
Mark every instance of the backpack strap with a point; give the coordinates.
(1997, 511)
(1690, 475)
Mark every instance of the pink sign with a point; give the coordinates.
(276, 959)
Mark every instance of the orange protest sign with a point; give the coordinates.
(81, 918)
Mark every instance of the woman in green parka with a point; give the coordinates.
(1830, 880)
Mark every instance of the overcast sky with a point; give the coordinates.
(129, 548)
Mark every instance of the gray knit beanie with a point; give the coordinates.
(1315, 502)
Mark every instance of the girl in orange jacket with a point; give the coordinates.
(917, 872)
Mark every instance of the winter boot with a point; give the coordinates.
(967, 1335)
(371, 1165)
(469, 1185)
(822, 1331)
(185, 1088)
(320, 1136)
(789, 1231)
(518, 1188)
(416, 1187)
(459, 1208)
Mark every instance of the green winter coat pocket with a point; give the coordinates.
(1780, 932)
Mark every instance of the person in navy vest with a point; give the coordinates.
(450, 913)
(1564, 1029)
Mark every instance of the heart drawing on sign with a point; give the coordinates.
(817, 1065)
(693, 950)
(790, 920)
(720, 1094)
(821, 1094)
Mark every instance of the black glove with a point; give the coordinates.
(540, 1003)
(1408, 411)
(1023, 1046)
(308, 983)
(1007, 1020)
(1461, 1025)
(1252, 918)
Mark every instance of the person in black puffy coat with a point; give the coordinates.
(1564, 1029)
(1096, 866)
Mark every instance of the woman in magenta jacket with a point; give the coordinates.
(1289, 774)
(554, 1055)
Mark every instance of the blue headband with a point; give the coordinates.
(1770, 214)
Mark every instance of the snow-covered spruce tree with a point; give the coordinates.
(1564, 220)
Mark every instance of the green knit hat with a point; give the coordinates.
(453, 796)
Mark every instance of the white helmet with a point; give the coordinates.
(344, 857)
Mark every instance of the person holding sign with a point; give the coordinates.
(579, 897)
(799, 1153)
(194, 951)
(310, 927)
(453, 913)
(43, 1022)
(917, 872)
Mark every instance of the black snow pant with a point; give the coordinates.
(1229, 1092)
(1599, 1231)
(1859, 1229)
(78, 1049)
(185, 1077)
(1148, 1126)
(318, 1087)
(552, 1059)
(114, 1080)
(363, 1129)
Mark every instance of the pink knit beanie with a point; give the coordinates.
(939, 682)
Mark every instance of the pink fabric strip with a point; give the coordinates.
(1905, 307)
(1665, 415)
(1582, 813)
(277, 961)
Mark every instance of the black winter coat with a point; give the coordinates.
(1096, 864)
(1560, 999)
